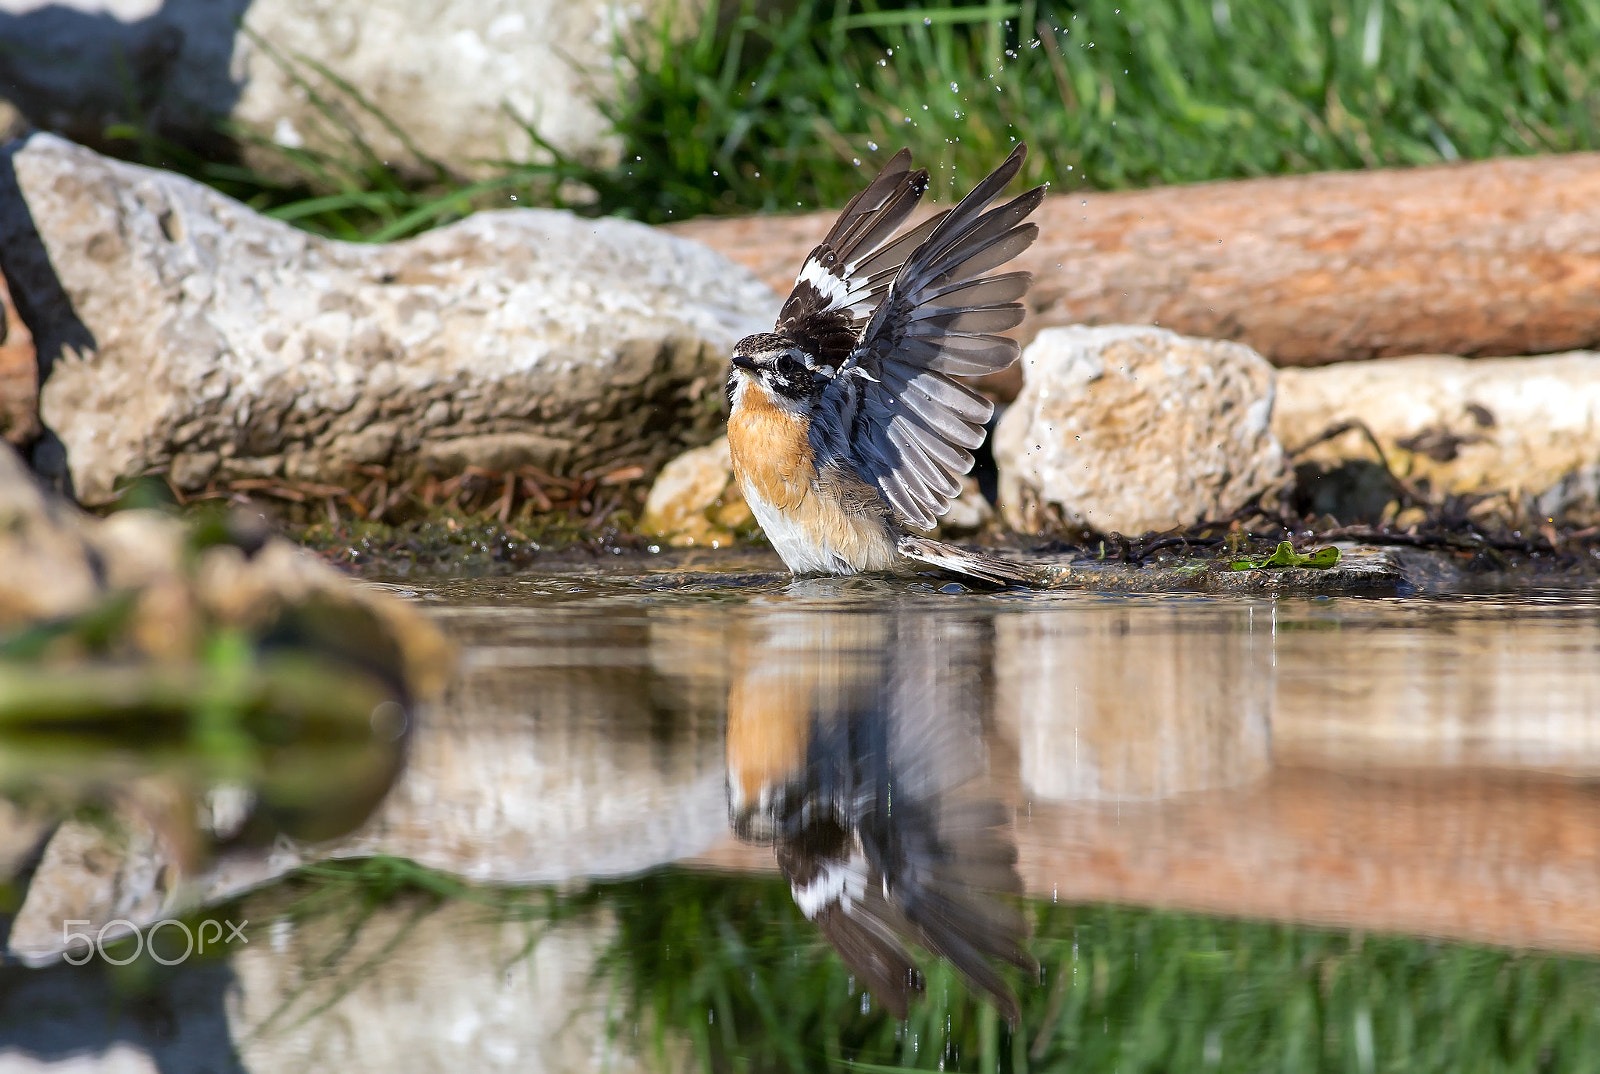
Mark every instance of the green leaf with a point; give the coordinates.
(1319, 559)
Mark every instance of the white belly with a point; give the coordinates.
(809, 546)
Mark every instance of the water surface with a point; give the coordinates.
(1314, 833)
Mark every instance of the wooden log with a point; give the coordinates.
(1494, 258)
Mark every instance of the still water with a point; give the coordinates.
(707, 817)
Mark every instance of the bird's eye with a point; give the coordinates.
(788, 365)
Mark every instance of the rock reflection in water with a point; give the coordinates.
(1135, 702)
(128, 784)
(854, 748)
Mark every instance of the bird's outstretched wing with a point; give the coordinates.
(907, 426)
(845, 278)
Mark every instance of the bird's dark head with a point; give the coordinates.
(780, 366)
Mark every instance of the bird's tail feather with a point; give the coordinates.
(978, 565)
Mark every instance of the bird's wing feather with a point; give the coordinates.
(845, 278)
(908, 427)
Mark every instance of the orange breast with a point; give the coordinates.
(770, 450)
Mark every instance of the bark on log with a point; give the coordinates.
(1494, 258)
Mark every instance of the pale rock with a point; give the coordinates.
(180, 325)
(1523, 431)
(1132, 429)
(452, 82)
(57, 561)
(695, 500)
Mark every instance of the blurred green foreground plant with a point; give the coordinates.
(787, 104)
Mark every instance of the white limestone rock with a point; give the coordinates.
(1129, 429)
(190, 335)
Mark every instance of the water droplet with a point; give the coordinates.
(954, 88)
(927, 21)
(872, 146)
(853, 160)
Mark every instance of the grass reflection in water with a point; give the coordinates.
(726, 973)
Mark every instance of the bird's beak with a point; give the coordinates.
(745, 362)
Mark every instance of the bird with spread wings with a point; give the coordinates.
(848, 430)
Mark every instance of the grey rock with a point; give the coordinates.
(1129, 429)
(458, 78)
(179, 325)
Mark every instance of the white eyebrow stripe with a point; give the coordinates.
(827, 284)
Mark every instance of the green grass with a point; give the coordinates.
(771, 104)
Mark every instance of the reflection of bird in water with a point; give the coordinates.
(853, 749)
